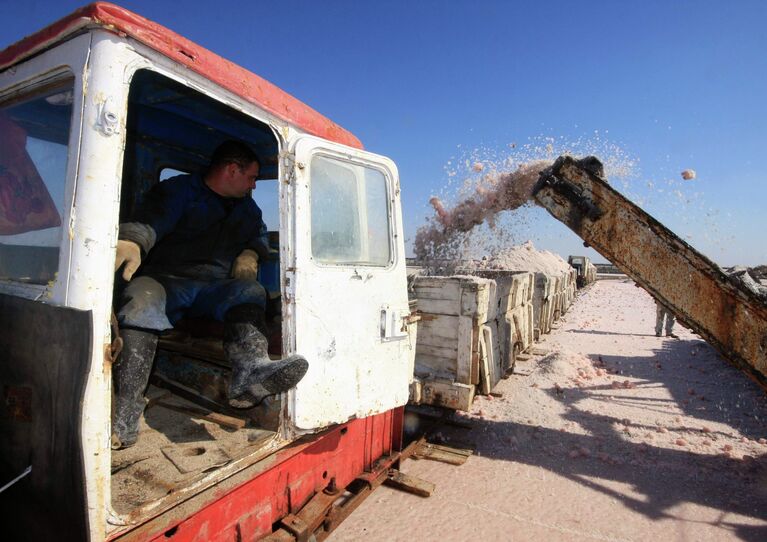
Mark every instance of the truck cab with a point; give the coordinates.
(94, 111)
(586, 272)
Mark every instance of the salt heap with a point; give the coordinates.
(524, 257)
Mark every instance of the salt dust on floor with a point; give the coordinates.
(613, 434)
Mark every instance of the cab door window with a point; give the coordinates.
(34, 134)
(349, 213)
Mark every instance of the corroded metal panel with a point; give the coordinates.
(730, 318)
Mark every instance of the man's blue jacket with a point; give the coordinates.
(187, 230)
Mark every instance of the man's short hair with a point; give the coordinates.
(233, 152)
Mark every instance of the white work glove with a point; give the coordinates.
(246, 265)
(128, 253)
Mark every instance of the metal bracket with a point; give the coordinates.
(107, 121)
(297, 527)
(289, 162)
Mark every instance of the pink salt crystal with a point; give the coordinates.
(706, 443)
(706, 429)
(727, 448)
(585, 452)
(478, 166)
(573, 454)
(688, 174)
(662, 429)
(615, 385)
(680, 442)
(744, 440)
(762, 441)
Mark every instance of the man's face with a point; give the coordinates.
(242, 179)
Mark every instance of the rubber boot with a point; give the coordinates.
(254, 375)
(131, 377)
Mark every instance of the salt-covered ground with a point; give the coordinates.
(615, 434)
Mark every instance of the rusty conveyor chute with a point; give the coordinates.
(730, 318)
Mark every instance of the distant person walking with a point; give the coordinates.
(662, 312)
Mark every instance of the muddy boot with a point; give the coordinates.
(254, 375)
(131, 376)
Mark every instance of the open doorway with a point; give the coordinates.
(188, 430)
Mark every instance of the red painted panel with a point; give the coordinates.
(298, 472)
(187, 53)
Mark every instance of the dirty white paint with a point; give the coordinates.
(359, 362)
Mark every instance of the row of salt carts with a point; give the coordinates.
(474, 325)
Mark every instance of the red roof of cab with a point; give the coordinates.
(187, 53)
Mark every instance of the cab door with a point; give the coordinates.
(47, 474)
(346, 287)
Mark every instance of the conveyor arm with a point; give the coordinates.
(730, 318)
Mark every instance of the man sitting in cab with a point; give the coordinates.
(194, 245)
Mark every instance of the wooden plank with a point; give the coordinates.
(492, 302)
(485, 354)
(452, 395)
(435, 366)
(492, 372)
(452, 449)
(442, 454)
(437, 288)
(445, 352)
(496, 363)
(474, 301)
(448, 307)
(221, 419)
(410, 448)
(443, 327)
(465, 369)
(410, 484)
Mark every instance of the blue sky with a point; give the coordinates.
(674, 85)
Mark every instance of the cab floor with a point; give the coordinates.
(174, 448)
